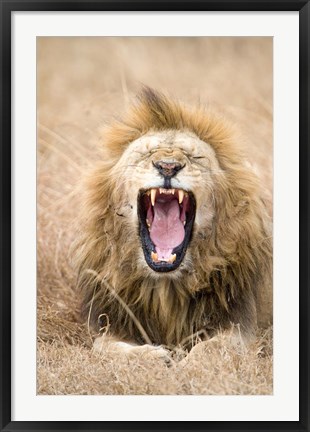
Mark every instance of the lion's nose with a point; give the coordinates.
(168, 169)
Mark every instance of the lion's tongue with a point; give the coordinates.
(167, 231)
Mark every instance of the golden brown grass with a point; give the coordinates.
(81, 83)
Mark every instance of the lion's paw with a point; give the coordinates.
(130, 350)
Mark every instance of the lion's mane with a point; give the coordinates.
(229, 280)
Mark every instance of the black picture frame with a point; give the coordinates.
(6, 9)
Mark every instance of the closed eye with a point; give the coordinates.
(198, 160)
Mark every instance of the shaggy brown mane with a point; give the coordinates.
(155, 111)
(229, 277)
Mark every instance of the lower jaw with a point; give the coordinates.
(163, 266)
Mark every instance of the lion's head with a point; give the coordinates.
(174, 233)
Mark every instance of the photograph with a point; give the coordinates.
(154, 215)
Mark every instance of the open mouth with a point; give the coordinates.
(166, 219)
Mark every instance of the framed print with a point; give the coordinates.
(154, 215)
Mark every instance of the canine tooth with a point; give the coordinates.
(154, 256)
(172, 258)
(153, 194)
(181, 195)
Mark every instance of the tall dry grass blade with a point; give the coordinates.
(129, 312)
(62, 139)
(62, 154)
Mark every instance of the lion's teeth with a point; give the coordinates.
(154, 256)
(153, 195)
(172, 258)
(148, 223)
(181, 196)
(166, 191)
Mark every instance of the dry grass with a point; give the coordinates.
(81, 82)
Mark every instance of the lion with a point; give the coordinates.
(174, 238)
